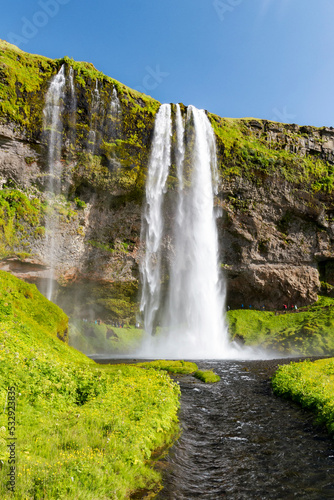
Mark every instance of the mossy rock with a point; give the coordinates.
(207, 376)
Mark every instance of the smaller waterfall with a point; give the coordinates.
(73, 94)
(94, 113)
(53, 128)
(115, 115)
(71, 110)
(112, 126)
(115, 105)
(152, 224)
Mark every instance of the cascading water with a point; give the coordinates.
(72, 106)
(115, 115)
(53, 127)
(73, 94)
(152, 226)
(191, 321)
(115, 105)
(95, 107)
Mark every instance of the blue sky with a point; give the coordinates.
(263, 58)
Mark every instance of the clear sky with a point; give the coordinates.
(269, 59)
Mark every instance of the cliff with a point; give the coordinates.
(274, 206)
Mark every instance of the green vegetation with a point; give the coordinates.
(92, 338)
(250, 155)
(23, 308)
(312, 385)
(310, 331)
(207, 376)
(23, 82)
(19, 219)
(84, 430)
(176, 367)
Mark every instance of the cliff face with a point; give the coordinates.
(274, 206)
(277, 230)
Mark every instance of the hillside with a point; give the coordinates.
(82, 430)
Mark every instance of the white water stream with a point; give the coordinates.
(153, 222)
(53, 127)
(190, 314)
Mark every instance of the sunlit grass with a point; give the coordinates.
(83, 430)
(308, 332)
(312, 385)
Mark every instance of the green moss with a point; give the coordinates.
(23, 79)
(207, 376)
(19, 217)
(244, 153)
(79, 203)
(27, 306)
(75, 420)
(176, 367)
(312, 385)
(310, 331)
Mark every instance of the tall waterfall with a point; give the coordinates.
(53, 127)
(190, 311)
(152, 227)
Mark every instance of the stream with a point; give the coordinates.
(239, 441)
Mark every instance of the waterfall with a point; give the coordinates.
(94, 113)
(73, 94)
(115, 115)
(115, 105)
(112, 126)
(152, 224)
(72, 106)
(53, 128)
(192, 320)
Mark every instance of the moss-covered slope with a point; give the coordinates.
(312, 385)
(23, 305)
(307, 332)
(83, 430)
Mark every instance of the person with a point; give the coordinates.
(242, 306)
(228, 308)
(296, 307)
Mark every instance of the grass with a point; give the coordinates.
(307, 332)
(312, 385)
(83, 430)
(175, 367)
(207, 376)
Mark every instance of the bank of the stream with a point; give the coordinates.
(312, 385)
(83, 431)
(308, 332)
